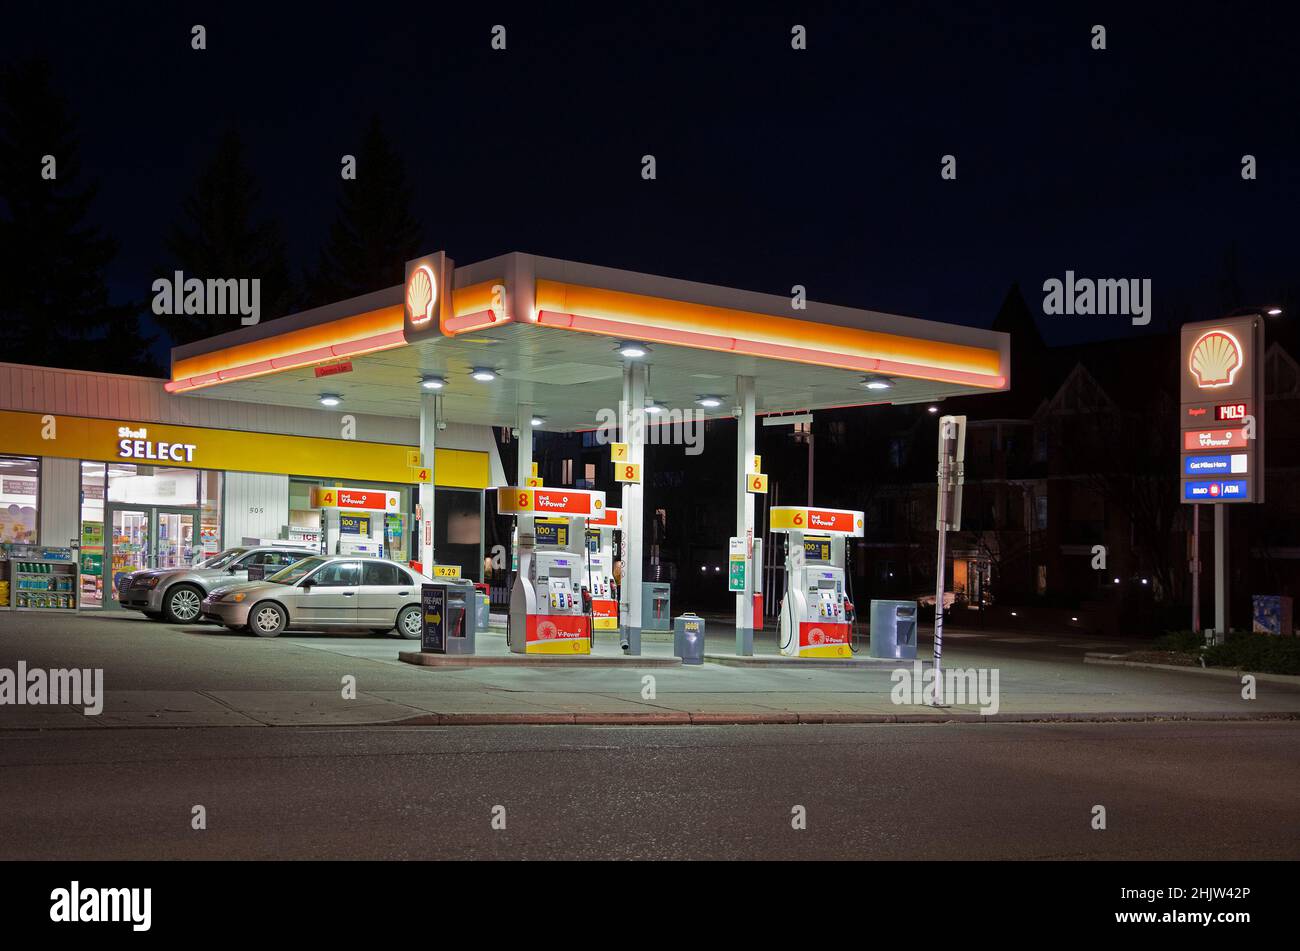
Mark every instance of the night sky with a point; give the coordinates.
(775, 167)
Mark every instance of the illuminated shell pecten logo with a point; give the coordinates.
(1215, 359)
(421, 292)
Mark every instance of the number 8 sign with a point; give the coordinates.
(627, 472)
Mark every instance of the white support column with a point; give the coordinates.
(524, 463)
(428, 440)
(745, 424)
(632, 424)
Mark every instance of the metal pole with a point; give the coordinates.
(810, 465)
(938, 584)
(1196, 567)
(1220, 570)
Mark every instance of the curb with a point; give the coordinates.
(465, 661)
(1117, 660)
(787, 719)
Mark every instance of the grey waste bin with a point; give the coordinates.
(893, 629)
(688, 638)
(450, 616)
(656, 606)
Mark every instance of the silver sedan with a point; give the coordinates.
(322, 593)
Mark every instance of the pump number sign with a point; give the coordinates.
(627, 471)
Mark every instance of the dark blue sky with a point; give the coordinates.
(775, 167)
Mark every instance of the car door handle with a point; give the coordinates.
(402, 594)
(349, 594)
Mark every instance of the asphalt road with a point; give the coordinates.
(1180, 790)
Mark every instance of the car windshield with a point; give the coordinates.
(294, 572)
(222, 559)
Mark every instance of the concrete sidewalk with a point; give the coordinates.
(158, 675)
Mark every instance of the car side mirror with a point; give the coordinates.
(306, 584)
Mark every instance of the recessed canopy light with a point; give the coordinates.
(1274, 311)
(632, 350)
(877, 382)
(934, 409)
(654, 409)
(433, 382)
(330, 399)
(483, 374)
(538, 420)
(710, 402)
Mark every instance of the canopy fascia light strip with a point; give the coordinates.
(653, 320)
(375, 331)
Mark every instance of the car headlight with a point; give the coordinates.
(152, 581)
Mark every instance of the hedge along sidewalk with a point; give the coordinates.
(1118, 660)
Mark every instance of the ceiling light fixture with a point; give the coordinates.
(632, 350)
(330, 399)
(709, 402)
(483, 374)
(877, 382)
(432, 382)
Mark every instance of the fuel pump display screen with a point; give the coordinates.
(817, 549)
(593, 541)
(551, 533)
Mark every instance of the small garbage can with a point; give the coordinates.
(893, 629)
(688, 638)
(656, 606)
(450, 617)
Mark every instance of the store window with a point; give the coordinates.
(458, 530)
(20, 482)
(153, 485)
(93, 485)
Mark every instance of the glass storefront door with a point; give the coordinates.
(146, 536)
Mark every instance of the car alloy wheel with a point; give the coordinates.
(410, 624)
(183, 605)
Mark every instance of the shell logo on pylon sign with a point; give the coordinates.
(421, 292)
(1215, 359)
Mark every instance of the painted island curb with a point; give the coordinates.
(1235, 673)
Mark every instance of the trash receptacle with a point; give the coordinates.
(893, 629)
(688, 638)
(449, 611)
(484, 614)
(656, 606)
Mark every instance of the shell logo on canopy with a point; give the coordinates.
(421, 293)
(1215, 359)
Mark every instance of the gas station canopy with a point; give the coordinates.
(550, 331)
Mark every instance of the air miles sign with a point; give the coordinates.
(1221, 385)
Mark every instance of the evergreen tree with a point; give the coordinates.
(374, 232)
(221, 236)
(54, 300)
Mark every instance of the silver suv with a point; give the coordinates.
(176, 594)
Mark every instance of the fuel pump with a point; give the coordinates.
(547, 611)
(816, 612)
(600, 568)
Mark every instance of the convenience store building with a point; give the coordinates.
(138, 477)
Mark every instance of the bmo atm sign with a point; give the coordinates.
(1221, 374)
